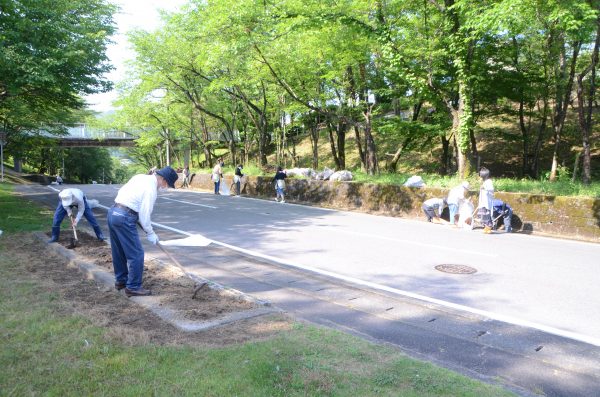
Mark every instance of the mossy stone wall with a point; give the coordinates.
(571, 217)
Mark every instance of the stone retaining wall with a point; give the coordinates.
(571, 217)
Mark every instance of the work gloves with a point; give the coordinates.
(153, 238)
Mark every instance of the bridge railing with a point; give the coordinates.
(83, 131)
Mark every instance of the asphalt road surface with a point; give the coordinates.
(541, 284)
(547, 283)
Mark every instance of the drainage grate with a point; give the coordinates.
(456, 269)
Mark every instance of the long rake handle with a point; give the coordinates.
(172, 258)
(74, 231)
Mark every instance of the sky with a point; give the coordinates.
(133, 14)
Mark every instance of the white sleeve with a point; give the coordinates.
(146, 207)
(78, 200)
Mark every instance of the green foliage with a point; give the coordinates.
(17, 215)
(53, 51)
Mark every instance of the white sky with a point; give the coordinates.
(133, 14)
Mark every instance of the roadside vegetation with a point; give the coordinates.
(429, 88)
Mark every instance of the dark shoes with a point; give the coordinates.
(137, 292)
(53, 240)
(119, 285)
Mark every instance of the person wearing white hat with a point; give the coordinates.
(456, 196)
(68, 200)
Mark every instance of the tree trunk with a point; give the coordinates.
(563, 97)
(205, 137)
(314, 140)
(371, 155)
(361, 154)
(332, 144)
(342, 127)
(445, 160)
(393, 164)
(585, 112)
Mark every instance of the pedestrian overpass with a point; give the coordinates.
(82, 135)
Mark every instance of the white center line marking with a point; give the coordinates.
(189, 202)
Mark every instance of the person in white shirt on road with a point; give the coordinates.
(456, 196)
(486, 199)
(133, 205)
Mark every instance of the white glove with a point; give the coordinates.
(153, 238)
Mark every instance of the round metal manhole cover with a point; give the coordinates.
(456, 269)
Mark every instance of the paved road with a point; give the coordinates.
(545, 284)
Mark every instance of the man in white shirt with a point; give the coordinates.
(486, 199)
(133, 205)
(456, 196)
(217, 174)
(68, 200)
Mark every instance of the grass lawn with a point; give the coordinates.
(48, 349)
(19, 215)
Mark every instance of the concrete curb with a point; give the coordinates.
(153, 303)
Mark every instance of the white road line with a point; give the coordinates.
(495, 316)
(189, 202)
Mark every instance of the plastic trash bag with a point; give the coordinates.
(465, 214)
(341, 176)
(414, 181)
(325, 174)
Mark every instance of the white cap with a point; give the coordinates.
(465, 184)
(66, 197)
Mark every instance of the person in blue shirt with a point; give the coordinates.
(502, 208)
(279, 180)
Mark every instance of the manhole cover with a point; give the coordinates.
(456, 269)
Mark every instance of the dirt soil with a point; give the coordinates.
(124, 319)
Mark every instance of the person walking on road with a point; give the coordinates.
(486, 200)
(279, 180)
(59, 180)
(133, 205)
(186, 178)
(68, 200)
(456, 196)
(237, 179)
(217, 174)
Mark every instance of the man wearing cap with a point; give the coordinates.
(69, 199)
(455, 199)
(133, 205)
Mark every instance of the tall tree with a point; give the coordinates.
(51, 53)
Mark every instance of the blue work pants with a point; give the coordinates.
(126, 247)
(61, 212)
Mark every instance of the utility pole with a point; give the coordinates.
(168, 148)
(2, 143)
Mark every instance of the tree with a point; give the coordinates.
(52, 53)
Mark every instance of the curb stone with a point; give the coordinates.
(153, 304)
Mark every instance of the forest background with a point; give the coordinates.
(383, 88)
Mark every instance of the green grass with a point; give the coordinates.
(44, 350)
(558, 188)
(562, 187)
(19, 215)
